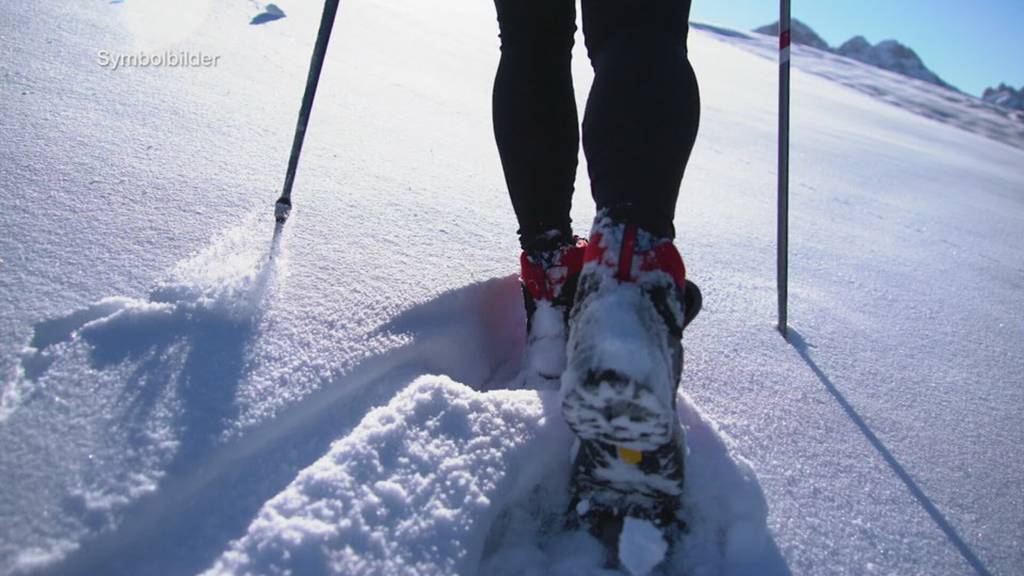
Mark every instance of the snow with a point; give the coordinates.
(183, 394)
(641, 546)
(544, 357)
(444, 478)
(921, 97)
(407, 490)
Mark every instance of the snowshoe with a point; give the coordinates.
(624, 360)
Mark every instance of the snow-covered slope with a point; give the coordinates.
(888, 55)
(183, 393)
(968, 113)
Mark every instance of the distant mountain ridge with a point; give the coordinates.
(889, 54)
(893, 56)
(799, 32)
(1005, 96)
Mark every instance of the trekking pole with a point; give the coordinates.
(782, 269)
(284, 204)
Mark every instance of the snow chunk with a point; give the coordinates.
(412, 490)
(544, 357)
(641, 546)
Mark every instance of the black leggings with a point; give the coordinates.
(641, 117)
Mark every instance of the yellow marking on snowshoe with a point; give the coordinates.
(630, 456)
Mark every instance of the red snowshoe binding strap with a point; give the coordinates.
(663, 257)
(544, 275)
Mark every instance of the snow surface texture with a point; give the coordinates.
(166, 382)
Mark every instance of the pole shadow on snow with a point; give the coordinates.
(803, 348)
(212, 490)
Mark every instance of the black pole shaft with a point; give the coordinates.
(315, 66)
(783, 216)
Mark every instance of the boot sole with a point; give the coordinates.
(609, 407)
(606, 402)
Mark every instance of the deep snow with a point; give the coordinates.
(177, 387)
(443, 480)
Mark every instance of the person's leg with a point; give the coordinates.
(643, 110)
(535, 120)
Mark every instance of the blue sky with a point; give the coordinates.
(971, 45)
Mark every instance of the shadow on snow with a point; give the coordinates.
(803, 348)
(211, 490)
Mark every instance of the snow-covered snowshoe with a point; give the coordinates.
(549, 276)
(624, 360)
